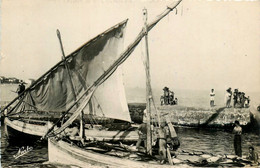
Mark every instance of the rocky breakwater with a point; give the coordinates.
(205, 117)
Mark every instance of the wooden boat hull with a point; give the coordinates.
(15, 128)
(24, 130)
(61, 152)
(103, 135)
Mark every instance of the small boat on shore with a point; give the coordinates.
(30, 129)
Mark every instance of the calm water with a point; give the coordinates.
(34, 158)
(212, 141)
(207, 140)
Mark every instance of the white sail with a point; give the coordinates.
(53, 92)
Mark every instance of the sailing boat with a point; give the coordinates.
(70, 151)
(62, 88)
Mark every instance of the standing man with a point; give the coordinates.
(243, 99)
(142, 132)
(166, 95)
(162, 143)
(235, 97)
(212, 97)
(237, 139)
(20, 89)
(228, 97)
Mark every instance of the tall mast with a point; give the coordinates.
(123, 56)
(66, 66)
(148, 93)
(82, 133)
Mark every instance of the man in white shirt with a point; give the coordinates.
(212, 97)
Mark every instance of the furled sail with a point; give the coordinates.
(53, 91)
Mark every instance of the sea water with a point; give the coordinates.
(215, 141)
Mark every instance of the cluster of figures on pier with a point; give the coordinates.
(240, 100)
(168, 97)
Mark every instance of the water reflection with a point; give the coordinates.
(215, 141)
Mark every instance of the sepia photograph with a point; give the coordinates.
(129, 83)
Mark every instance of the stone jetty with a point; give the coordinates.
(209, 117)
(195, 116)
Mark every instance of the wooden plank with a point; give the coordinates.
(173, 133)
(169, 156)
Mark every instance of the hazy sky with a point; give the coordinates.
(205, 45)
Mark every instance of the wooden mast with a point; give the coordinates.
(148, 93)
(123, 56)
(82, 132)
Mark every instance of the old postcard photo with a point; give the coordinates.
(123, 83)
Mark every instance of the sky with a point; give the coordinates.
(204, 45)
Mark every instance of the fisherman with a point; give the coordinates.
(142, 132)
(237, 138)
(228, 97)
(212, 97)
(162, 143)
(253, 155)
(20, 89)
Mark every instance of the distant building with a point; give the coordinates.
(13, 80)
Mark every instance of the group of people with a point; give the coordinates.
(239, 99)
(168, 97)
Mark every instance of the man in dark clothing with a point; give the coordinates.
(20, 89)
(171, 98)
(237, 139)
(166, 95)
(235, 97)
(243, 99)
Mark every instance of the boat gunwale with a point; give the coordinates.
(89, 156)
(26, 127)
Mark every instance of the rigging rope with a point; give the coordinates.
(121, 59)
(150, 87)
